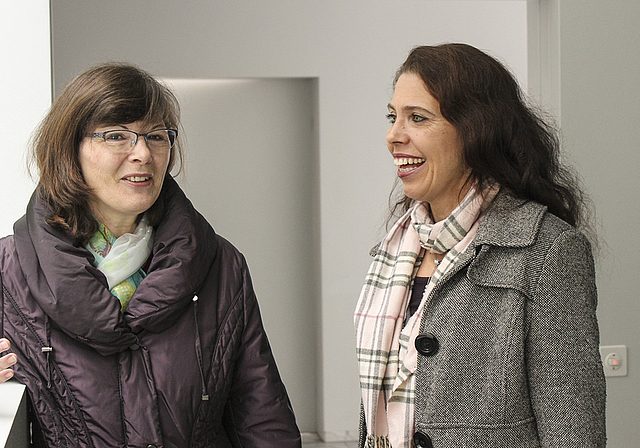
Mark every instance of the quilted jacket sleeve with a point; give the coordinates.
(258, 412)
(564, 370)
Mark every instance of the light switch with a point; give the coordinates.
(614, 359)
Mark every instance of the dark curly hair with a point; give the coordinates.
(107, 94)
(504, 140)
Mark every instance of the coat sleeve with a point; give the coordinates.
(564, 369)
(258, 413)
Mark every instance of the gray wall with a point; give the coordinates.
(599, 71)
(253, 173)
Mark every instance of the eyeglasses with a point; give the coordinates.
(123, 140)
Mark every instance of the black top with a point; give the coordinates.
(419, 285)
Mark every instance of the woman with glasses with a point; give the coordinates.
(132, 322)
(476, 326)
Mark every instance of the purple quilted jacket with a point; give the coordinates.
(187, 364)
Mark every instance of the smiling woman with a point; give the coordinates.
(130, 321)
(426, 148)
(124, 175)
(105, 97)
(477, 324)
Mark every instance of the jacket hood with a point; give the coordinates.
(74, 294)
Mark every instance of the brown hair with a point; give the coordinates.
(107, 94)
(504, 140)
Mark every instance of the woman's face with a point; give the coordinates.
(123, 185)
(425, 148)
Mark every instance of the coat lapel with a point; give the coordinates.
(507, 223)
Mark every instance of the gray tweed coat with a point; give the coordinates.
(516, 363)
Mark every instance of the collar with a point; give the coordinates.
(183, 250)
(510, 222)
(74, 294)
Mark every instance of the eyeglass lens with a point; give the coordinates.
(123, 140)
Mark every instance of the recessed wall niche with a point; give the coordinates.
(251, 168)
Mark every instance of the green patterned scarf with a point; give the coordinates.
(123, 268)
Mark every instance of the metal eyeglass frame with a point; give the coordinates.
(138, 135)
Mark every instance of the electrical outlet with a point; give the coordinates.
(614, 359)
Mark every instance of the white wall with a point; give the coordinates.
(353, 49)
(25, 92)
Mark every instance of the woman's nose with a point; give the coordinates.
(396, 134)
(140, 151)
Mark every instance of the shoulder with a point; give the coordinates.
(228, 277)
(7, 252)
(12, 278)
(7, 246)
(511, 222)
(520, 243)
(227, 254)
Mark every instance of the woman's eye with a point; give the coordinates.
(157, 137)
(114, 136)
(417, 118)
(391, 118)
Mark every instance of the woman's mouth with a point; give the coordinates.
(137, 179)
(407, 164)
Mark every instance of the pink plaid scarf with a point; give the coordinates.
(386, 351)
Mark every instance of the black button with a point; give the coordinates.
(421, 440)
(136, 347)
(427, 344)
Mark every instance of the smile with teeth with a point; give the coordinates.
(406, 164)
(137, 178)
